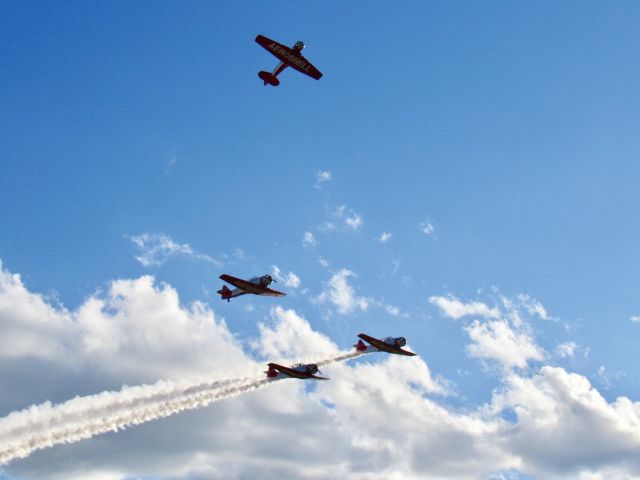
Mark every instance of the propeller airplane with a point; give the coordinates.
(389, 345)
(301, 371)
(289, 57)
(255, 285)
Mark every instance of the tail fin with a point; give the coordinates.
(225, 293)
(269, 78)
(272, 372)
(360, 346)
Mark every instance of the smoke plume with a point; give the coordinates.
(45, 425)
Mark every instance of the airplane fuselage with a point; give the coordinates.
(238, 291)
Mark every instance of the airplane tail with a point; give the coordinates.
(360, 346)
(271, 373)
(269, 78)
(225, 293)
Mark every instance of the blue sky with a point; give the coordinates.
(507, 130)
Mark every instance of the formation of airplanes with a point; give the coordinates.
(292, 57)
(260, 286)
(307, 371)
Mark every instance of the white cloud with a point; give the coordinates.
(353, 220)
(454, 308)
(309, 241)
(291, 339)
(387, 419)
(497, 340)
(322, 176)
(384, 237)
(565, 427)
(290, 280)
(427, 229)
(343, 295)
(30, 326)
(349, 218)
(533, 306)
(323, 263)
(392, 310)
(157, 248)
(500, 336)
(170, 164)
(565, 350)
(635, 319)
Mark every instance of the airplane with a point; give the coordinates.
(255, 285)
(289, 57)
(389, 345)
(299, 370)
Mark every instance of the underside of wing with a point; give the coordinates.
(305, 66)
(385, 347)
(268, 292)
(270, 45)
(242, 284)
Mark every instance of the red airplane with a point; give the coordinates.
(389, 345)
(300, 370)
(255, 285)
(289, 57)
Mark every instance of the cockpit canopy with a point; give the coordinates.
(310, 368)
(401, 342)
(299, 45)
(266, 280)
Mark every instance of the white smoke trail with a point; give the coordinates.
(341, 357)
(45, 425)
(69, 430)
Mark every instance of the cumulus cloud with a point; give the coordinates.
(347, 216)
(497, 340)
(566, 349)
(635, 319)
(290, 338)
(354, 221)
(392, 310)
(341, 294)
(290, 279)
(322, 176)
(309, 241)
(565, 426)
(30, 325)
(388, 418)
(427, 229)
(384, 237)
(157, 248)
(500, 336)
(454, 308)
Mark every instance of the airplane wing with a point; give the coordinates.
(268, 292)
(385, 347)
(242, 284)
(286, 55)
(295, 373)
